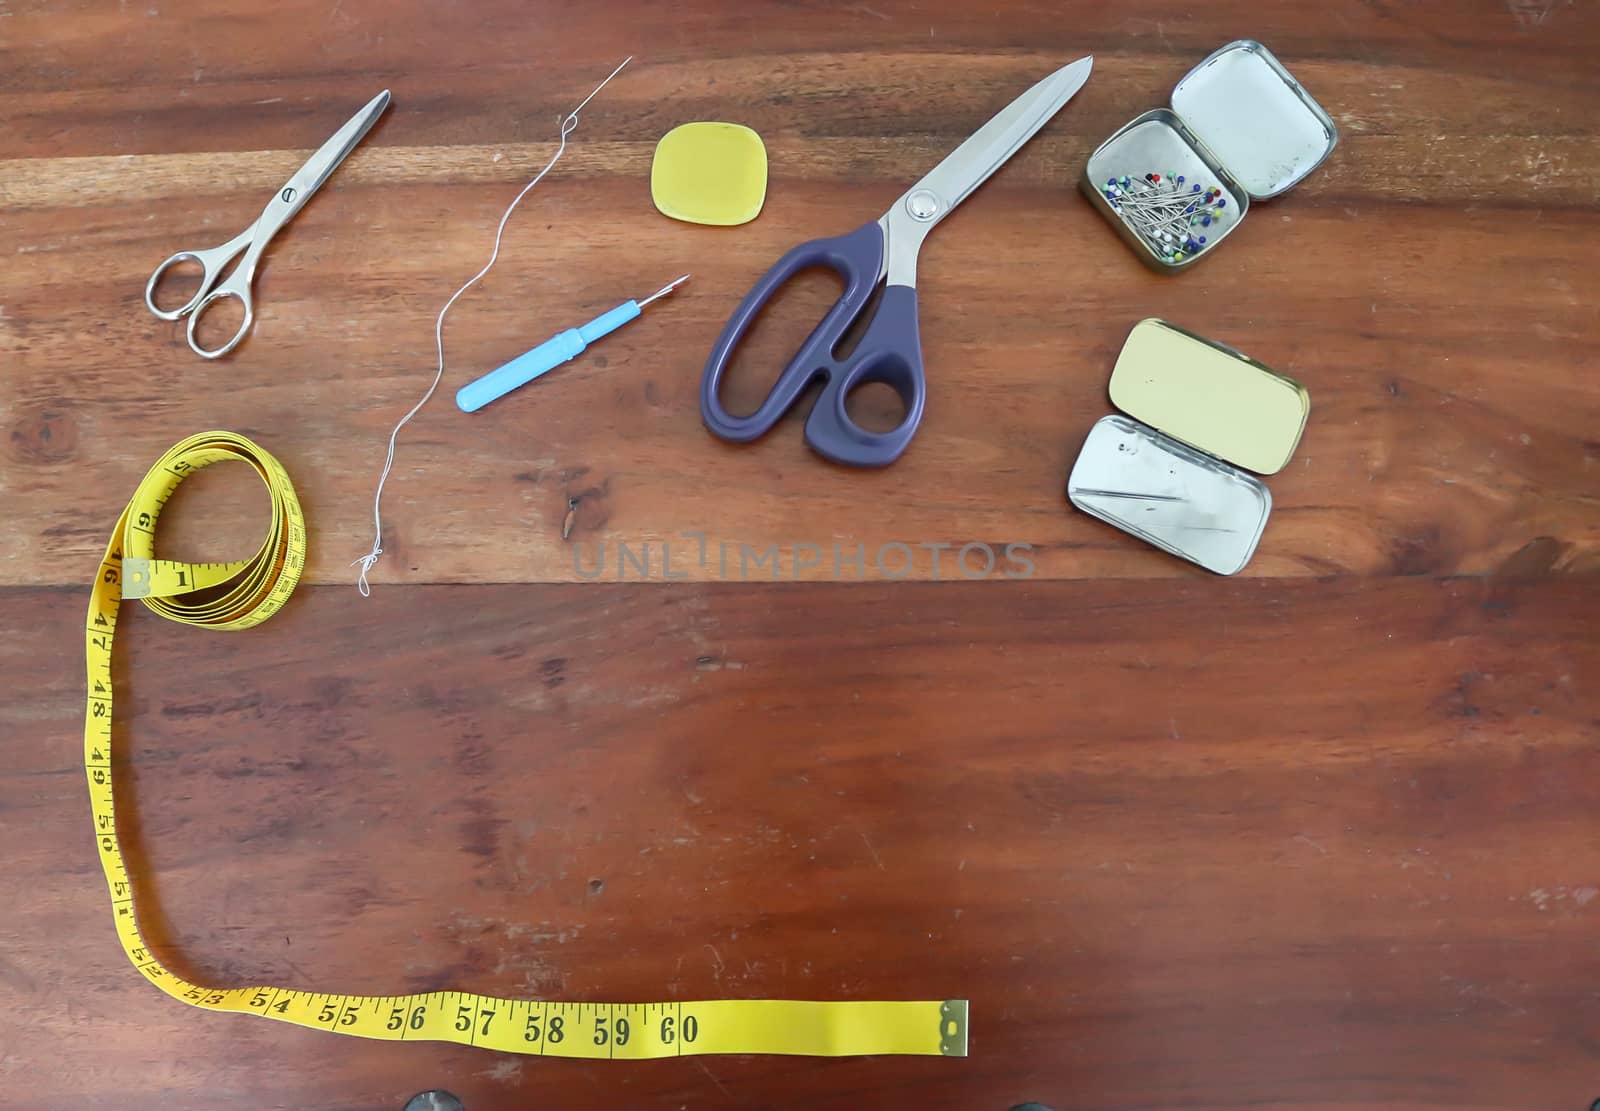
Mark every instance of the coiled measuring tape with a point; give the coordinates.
(244, 593)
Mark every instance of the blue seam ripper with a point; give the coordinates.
(561, 348)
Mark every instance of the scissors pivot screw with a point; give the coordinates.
(922, 204)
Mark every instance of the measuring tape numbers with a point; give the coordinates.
(244, 593)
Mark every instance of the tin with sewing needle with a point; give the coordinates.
(1177, 181)
(1174, 471)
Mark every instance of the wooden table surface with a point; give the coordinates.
(1322, 836)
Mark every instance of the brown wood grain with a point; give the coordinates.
(1431, 285)
(1321, 838)
(1170, 871)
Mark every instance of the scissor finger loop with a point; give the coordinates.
(228, 290)
(212, 262)
(858, 259)
(160, 272)
(890, 353)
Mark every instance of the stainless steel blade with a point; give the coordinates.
(309, 177)
(970, 164)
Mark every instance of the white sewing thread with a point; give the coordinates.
(568, 125)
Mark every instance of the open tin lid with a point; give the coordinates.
(1255, 117)
(1209, 396)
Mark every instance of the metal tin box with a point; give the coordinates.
(1239, 121)
(1172, 476)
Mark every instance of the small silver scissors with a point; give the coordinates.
(283, 206)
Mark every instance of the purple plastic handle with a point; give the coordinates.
(890, 352)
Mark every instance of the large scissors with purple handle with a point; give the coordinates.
(881, 253)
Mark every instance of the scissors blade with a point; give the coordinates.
(309, 178)
(970, 164)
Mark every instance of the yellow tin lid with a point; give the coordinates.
(710, 173)
(1209, 396)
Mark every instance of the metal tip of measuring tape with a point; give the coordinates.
(953, 1028)
(136, 578)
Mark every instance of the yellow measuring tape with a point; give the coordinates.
(244, 593)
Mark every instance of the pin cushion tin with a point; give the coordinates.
(1170, 471)
(1176, 181)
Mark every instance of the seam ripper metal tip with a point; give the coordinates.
(561, 348)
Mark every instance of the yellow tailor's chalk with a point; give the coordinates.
(710, 173)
